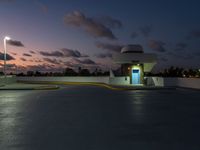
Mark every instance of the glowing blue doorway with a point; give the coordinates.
(135, 76)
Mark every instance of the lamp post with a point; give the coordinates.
(6, 38)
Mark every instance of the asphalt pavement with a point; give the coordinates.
(97, 118)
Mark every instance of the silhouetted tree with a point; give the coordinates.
(85, 72)
(70, 72)
(20, 74)
(30, 73)
(79, 70)
(37, 73)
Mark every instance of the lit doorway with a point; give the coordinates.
(135, 76)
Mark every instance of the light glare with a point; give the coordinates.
(7, 38)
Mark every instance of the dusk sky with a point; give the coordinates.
(50, 35)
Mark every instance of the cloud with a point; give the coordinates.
(37, 60)
(157, 46)
(163, 59)
(195, 34)
(110, 22)
(103, 55)
(23, 59)
(145, 30)
(43, 67)
(110, 47)
(181, 46)
(134, 35)
(27, 55)
(64, 52)
(184, 56)
(8, 57)
(53, 61)
(13, 53)
(72, 53)
(89, 25)
(32, 52)
(15, 43)
(197, 53)
(11, 66)
(84, 61)
(53, 54)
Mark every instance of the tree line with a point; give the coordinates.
(67, 72)
(177, 72)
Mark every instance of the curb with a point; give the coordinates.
(111, 87)
(73, 83)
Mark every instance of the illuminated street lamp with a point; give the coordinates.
(6, 38)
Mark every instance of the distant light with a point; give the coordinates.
(7, 38)
(199, 70)
(138, 64)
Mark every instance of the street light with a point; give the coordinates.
(6, 38)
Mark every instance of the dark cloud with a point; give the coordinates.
(15, 43)
(197, 53)
(104, 55)
(145, 30)
(27, 55)
(181, 46)
(182, 55)
(64, 52)
(53, 61)
(11, 66)
(23, 59)
(72, 53)
(37, 60)
(195, 34)
(84, 61)
(53, 54)
(32, 52)
(110, 22)
(13, 53)
(43, 67)
(90, 25)
(163, 59)
(110, 47)
(157, 46)
(8, 57)
(134, 35)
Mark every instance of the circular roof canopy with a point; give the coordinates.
(136, 48)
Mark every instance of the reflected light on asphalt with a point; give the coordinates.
(138, 106)
(10, 109)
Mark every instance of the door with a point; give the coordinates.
(135, 76)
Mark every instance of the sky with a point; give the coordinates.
(51, 35)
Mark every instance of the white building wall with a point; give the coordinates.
(183, 82)
(107, 80)
(120, 80)
(66, 79)
(7, 80)
(154, 81)
(174, 82)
